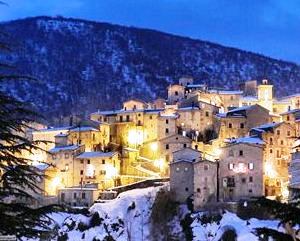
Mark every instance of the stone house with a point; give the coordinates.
(176, 93)
(241, 169)
(238, 122)
(97, 167)
(278, 138)
(79, 196)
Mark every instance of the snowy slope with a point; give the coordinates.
(128, 218)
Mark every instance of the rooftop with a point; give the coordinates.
(267, 127)
(64, 148)
(83, 128)
(246, 139)
(95, 154)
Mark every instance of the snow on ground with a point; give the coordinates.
(128, 218)
(244, 228)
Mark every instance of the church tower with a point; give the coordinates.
(265, 95)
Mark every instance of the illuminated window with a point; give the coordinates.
(177, 169)
(66, 155)
(251, 166)
(231, 166)
(186, 169)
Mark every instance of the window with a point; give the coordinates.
(62, 197)
(288, 118)
(278, 154)
(134, 107)
(167, 121)
(281, 142)
(205, 167)
(250, 190)
(242, 125)
(103, 161)
(121, 118)
(139, 123)
(231, 166)
(241, 153)
(167, 146)
(167, 130)
(88, 161)
(75, 195)
(196, 147)
(288, 133)
(81, 172)
(150, 117)
(198, 189)
(102, 172)
(230, 125)
(186, 169)
(53, 156)
(251, 166)
(176, 92)
(271, 141)
(186, 189)
(177, 169)
(83, 195)
(127, 118)
(66, 155)
(139, 114)
(230, 153)
(271, 151)
(184, 145)
(278, 132)
(250, 179)
(207, 114)
(243, 180)
(81, 161)
(94, 136)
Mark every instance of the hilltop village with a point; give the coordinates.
(211, 145)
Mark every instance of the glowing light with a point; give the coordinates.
(154, 146)
(111, 171)
(135, 137)
(285, 192)
(160, 163)
(90, 170)
(269, 170)
(241, 168)
(56, 182)
(218, 152)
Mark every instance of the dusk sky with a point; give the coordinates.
(270, 27)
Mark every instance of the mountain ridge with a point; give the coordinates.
(84, 65)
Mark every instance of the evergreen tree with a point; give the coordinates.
(287, 213)
(16, 174)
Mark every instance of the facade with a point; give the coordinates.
(78, 196)
(241, 169)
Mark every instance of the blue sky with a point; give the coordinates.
(269, 27)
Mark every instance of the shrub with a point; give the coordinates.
(186, 227)
(229, 235)
(82, 227)
(96, 220)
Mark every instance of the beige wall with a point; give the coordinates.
(235, 161)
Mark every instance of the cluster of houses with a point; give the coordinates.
(214, 145)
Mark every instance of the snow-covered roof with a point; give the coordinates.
(290, 111)
(188, 108)
(242, 108)
(41, 166)
(267, 126)
(196, 85)
(64, 148)
(246, 139)
(290, 96)
(249, 98)
(62, 128)
(83, 128)
(95, 154)
(227, 92)
(62, 135)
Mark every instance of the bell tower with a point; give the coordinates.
(265, 95)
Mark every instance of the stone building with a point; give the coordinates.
(278, 138)
(176, 93)
(97, 167)
(241, 169)
(192, 177)
(79, 196)
(182, 173)
(238, 122)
